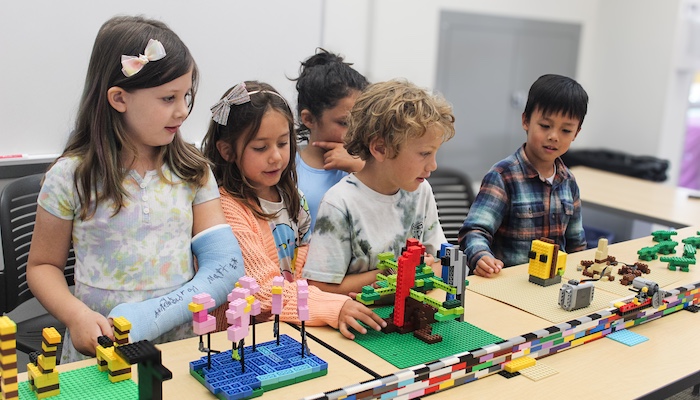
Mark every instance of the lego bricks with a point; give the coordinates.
(270, 367)
(458, 369)
(87, 383)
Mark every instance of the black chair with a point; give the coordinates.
(454, 195)
(18, 203)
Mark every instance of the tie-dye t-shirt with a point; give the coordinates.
(141, 252)
(354, 224)
(288, 234)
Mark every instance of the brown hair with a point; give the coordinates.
(99, 134)
(241, 128)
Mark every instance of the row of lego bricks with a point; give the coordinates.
(466, 367)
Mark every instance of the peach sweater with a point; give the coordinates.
(261, 262)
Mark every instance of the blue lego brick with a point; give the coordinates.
(87, 384)
(268, 368)
(627, 337)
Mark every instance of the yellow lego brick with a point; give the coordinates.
(49, 348)
(122, 324)
(119, 378)
(118, 363)
(194, 307)
(104, 354)
(51, 335)
(8, 345)
(447, 384)
(561, 262)
(8, 359)
(519, 363)
(277, 290)
(10, 387)
(46, 363)
(250, 299)
(629, 324)
(44, 380)
(32, 371)
(102, 368)
(121, 338)
(7, 326)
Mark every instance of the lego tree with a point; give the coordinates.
(413, 310)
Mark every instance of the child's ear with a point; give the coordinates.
(377, 147)
(526, 123)
(116, 98)
(307, 119)
(226, 151)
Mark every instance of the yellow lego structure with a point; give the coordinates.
(547, 262)
(9, 389)
(41, 373)
(108, 359)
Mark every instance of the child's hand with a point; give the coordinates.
(336, 157)
(353, 311)
(488, 266)
(85, 328)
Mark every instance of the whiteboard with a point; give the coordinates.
(45, 47)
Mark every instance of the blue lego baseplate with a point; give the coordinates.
(268, 367)
(627, 337)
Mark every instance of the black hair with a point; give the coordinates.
(554, 94)
(324, 79)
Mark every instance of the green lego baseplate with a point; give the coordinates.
(405, 350)
(87, 383)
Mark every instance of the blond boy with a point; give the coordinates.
(397, 129)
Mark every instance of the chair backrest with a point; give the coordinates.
(454, 195)
(18, 203)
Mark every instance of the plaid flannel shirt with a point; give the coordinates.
(515, 206)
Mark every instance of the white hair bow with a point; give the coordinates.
(131, 65)
(238, 95)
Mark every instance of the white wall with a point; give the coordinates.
(627, 59)
(45, 46)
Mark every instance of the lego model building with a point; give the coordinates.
(43, 378)
(547, 262)
(8, 359)
(245, 372)
(413, 310)
(648, 295)
(602, 266)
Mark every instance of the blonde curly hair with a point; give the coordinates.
(395, 111)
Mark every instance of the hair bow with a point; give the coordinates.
(237, 96)
(131, 65)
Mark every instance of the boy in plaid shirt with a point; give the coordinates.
(530, 194)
